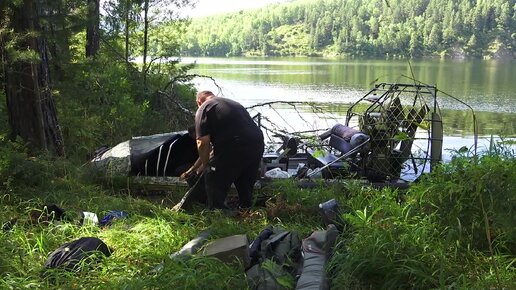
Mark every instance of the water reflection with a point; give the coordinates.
(488, 86)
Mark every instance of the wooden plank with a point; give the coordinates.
(157, 182)
(166, 183)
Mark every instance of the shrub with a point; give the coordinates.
(18, 168)
(474, 196)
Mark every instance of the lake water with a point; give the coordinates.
(489, 87)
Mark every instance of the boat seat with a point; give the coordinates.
(341, 140)
(337, 146)
(340, 144)
(320, 158)
(324, 156)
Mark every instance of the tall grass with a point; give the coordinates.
(454, 229)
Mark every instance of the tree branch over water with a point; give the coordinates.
(187, 78)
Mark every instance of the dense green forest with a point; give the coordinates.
(377, 28)
(69, 76)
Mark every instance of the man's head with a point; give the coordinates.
(203, 97)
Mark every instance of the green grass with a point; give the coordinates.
(454, 229)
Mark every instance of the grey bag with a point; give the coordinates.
(230, 250)
(190, 248)
(276, 252)
(316, 250)
(187, 251)
(282, 246)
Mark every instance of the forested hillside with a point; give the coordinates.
(379, 28)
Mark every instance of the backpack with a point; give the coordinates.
(72, 255)
(282, 247)
(275, 254)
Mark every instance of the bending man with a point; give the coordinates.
(237, 148)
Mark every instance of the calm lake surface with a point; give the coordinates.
(489, 87)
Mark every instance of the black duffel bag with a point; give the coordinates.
(71, 256)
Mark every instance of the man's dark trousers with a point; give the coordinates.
(237, 164)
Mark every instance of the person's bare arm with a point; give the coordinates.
(191, 170)
(204, 149)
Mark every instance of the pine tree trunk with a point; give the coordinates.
(127, 22)
(30, 104)
(145, 41)
(92, 31)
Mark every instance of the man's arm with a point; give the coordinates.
(204, 149)
(191, 170)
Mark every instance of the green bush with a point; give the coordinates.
(96, 106)
(3, 113)
(105, 102)
(453, 229)
(17, 167)
(475, 197)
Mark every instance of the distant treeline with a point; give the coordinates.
(377, 28)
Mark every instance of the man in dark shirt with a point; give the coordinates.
(237, 149)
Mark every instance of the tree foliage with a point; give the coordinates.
(407, 28)
(102, 93)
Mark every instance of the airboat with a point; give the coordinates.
(390, 136)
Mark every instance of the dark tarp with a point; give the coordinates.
(162, 155)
